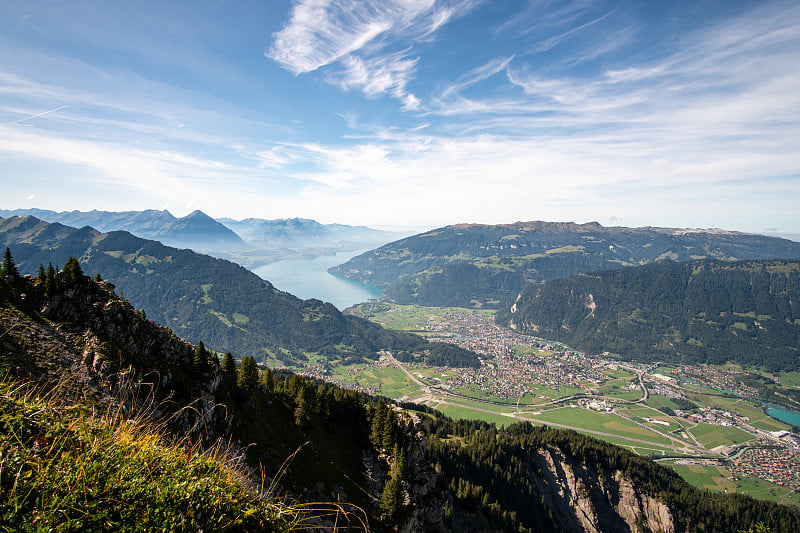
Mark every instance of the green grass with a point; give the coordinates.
(712, 436)
(66, 467)
(790, 379)
(713, 478)
(764, 490)
(465, 413)
(603, 422)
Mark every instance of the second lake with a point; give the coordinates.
(309, 278)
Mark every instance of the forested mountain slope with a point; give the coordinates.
(487, 265)
(406, 472)
(203, 298)
(699, 311)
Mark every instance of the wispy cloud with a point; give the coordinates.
(477, 75)
(356, 37)
(376, 76)
(716, 117)
(554, 40)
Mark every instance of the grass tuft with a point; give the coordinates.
(66, 467)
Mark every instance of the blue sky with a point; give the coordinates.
(407, 113)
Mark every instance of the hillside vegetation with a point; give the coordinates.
(217, 301)
(699, 311)
(406, 471)
(67, 467)
(475, 265)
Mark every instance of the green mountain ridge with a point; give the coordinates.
(477, 265)
(220, 302)
(705, 311)
(407, 471)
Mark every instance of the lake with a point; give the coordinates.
(309, 278)
(784, 415)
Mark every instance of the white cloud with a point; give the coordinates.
(477, 75)
(376, 76)
(345, 33)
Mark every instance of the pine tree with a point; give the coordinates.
(73, 271)
(377, 424)
(390, 430)
(8, 268)
(391, 496)
(229, 364)
(305, 406)
(247, 378)
(200, 361)
(268, 380)
(50, 280)
(40, 274)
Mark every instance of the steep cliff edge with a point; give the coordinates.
(585, 502)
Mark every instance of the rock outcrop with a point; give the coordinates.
(584, 501)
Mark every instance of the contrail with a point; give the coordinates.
(38, 114)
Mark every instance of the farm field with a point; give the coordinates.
(712, 436)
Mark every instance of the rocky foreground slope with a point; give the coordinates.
(393, 469)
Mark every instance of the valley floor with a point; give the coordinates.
(703, 421)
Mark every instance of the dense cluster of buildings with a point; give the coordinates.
(513, 362)
(776, 465)
(727, 380)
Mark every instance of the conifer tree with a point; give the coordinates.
(8, 268)
(247, 378)
(377, 424)
(200, 361)
(40, 274)
(305, 406)
(229, 364)
(50, 280)
(73, 271)
(268, 380)
(392, 495)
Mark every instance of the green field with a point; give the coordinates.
(712, 436)
(464, 412)
(790, 379)
(602, 422)
(713, 478)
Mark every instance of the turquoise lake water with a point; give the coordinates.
(784, 415)
(309, 278)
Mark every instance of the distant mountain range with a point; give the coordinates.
(303, 232)
(196, 230)
(476, 265)
(243, 240)
(705, 311)
(220, 302)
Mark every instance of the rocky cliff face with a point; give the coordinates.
(585, 502)
(425, 510)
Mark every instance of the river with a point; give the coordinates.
(309, 278)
